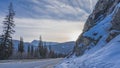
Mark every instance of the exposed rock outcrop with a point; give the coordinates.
(102, 10)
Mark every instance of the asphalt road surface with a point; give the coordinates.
(43, 63)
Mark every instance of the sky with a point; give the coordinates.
(54, 20)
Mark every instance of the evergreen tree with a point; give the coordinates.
(28, 49)
(32, 50)
(36, 53)
(10, 49)
(28, 52)
(40, 42)
(45, 51)
(51, 54)
(41, 51)
(21, 46)
(40, 46)
(6, 46)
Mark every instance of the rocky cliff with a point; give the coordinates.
(99, 44)
(101, 26)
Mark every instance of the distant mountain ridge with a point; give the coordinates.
(35, 43)
(61, 48)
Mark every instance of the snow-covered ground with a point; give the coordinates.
(47, 63)
(106, 57)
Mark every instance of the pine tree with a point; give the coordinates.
(28, 49)
(40, 46)
(10, 49)
(36, 53)
(32, 50)
(6, 46)
(45, 51)
(28, 52)
(21, 46)
(41, 51)
(51, 54)
(40, 42)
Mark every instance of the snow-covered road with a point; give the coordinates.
(47, 63)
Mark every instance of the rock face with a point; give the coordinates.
(103, 11)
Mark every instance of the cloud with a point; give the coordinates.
(51, 30)
(48, 28)
(56, 20)
(77, 10)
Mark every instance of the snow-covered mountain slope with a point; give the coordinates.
(61, 48)
(64, 48)
(35, 43)
(50, 9)
(102, 25)
(16, 43)
(98, 45)
(106, 57)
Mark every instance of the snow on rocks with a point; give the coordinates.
(106, 56)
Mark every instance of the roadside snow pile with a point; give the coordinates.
(107, 57)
